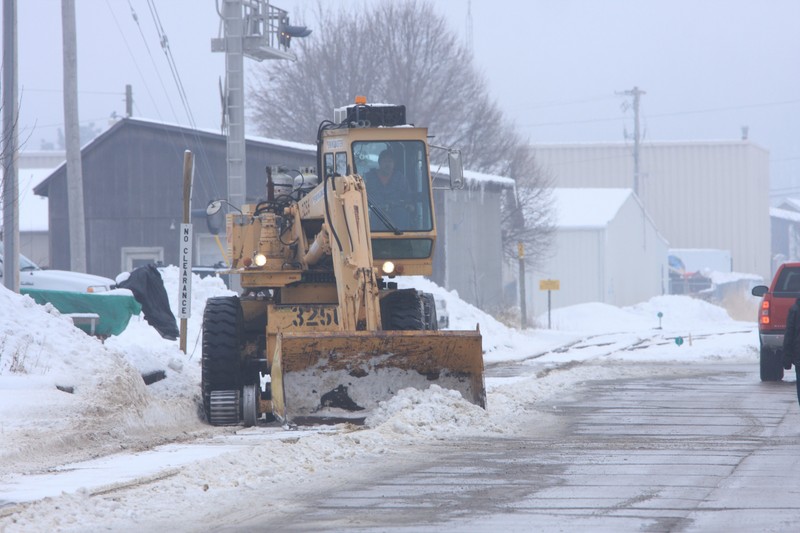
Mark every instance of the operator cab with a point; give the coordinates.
(391, 156)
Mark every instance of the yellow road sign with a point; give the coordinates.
(549, 285)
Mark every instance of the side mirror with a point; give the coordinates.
(215, 218)
(213, 207)
(456, 169)
(759, 290)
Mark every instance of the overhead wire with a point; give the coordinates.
(135, 17)
(164, 40)
(171, 62)
(206, 179)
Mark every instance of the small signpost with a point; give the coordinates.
(185, 247)
(549, 285)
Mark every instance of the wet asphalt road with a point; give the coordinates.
(717, 451)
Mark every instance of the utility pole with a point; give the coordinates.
(10, 178)
(128, 101)
(77, 221)
(635, 93)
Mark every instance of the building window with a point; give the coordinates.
(134, 257)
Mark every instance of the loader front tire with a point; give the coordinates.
(223, 326)
(402, 310)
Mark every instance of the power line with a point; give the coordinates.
(203, 156)
(152, 60)
(171, 62)
(564, 103)
(59, 91)
(133, 56)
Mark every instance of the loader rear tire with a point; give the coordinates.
(402, 310)
(223, 326)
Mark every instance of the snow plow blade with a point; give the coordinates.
(331, 377)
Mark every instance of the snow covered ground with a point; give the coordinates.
(63, 455)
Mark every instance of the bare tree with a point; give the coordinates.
(403, 52)
(527, 216)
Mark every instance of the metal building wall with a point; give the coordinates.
(474, 250)
(700, 194)
(578, 263)
(636, 257)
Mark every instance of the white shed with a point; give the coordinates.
(606, 249)
(701, 194)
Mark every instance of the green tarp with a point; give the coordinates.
(115, 310)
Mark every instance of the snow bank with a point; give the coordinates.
(110, 405)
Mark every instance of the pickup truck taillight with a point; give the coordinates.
(764, 314)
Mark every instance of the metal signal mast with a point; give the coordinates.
(255, 29)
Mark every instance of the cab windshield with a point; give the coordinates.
(398, 185)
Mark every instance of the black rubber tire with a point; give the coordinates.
(402, 310)
(429, 310)
(771, 364)
(223, 325)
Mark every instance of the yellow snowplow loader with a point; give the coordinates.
(322, 332)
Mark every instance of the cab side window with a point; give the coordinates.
(341, 164)
(329, 168)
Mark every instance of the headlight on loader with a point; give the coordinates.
(388, 268)
(260, 260)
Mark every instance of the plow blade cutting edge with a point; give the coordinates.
(342, 376)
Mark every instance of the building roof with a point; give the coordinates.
(790, 204)
(41, 188)
(784, 214)
(589, 208)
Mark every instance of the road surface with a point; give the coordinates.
(716, 451)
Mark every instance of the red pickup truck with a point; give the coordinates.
(775, 303)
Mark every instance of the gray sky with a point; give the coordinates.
(555, 66)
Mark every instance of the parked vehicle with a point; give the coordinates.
(775, 303)
(33, 277)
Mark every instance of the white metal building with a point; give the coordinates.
(606, 249)
(701, 194)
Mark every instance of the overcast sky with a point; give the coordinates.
(555, 66)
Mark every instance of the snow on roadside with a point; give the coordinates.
(60, 387)
(112, 407)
